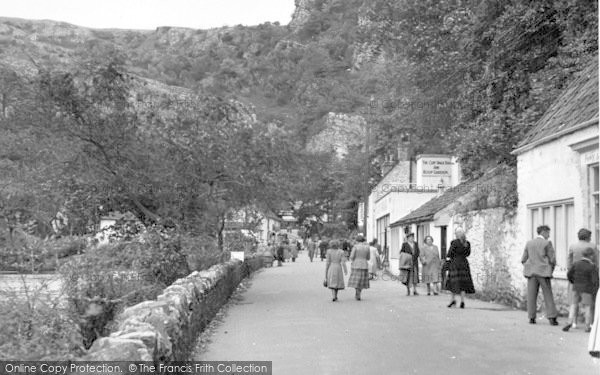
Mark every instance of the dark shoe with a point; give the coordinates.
(588, 329)
(435, 293)
(428, 294)
(452, 304)
(532, 321)
(462, 305)
(415, 293)
(567, 327)
(553, 321)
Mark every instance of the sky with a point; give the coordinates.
(149, 14)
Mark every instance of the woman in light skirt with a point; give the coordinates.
(335, 269)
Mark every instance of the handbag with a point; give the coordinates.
(405, 261)
(325, 283)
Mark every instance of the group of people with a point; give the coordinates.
(335, 268)
(283, 251)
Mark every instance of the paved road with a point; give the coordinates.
(287, 316)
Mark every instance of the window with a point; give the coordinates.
(382, 232)
(559, 216)
(595, 205)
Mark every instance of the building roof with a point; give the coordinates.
(576, 106)
(427, 211)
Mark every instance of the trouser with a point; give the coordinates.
(533, 285)
(587, 313)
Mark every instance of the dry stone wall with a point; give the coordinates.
(165, 329)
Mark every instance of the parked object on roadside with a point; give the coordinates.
(459, 273)
(583, 275)
(335, 269)
(539, 260)
(359, 275)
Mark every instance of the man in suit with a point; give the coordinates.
(539, 260)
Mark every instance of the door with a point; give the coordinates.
(443, 231)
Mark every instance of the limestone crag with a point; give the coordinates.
(342, 132)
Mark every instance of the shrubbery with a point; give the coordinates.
(108, 278)
(37, 327)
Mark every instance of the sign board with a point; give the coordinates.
(237, 255)
(435, 170)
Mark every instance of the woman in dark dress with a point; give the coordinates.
(411, 247)
(459, 274)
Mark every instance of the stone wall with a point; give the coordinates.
(495, 259)
(165, 329)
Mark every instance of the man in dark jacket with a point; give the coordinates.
(584, 277)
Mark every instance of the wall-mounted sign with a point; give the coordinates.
(435, 170)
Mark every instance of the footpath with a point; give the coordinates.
(287, 316)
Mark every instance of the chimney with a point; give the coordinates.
(387, 165)
(403, 151)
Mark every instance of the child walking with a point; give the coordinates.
(584, 277)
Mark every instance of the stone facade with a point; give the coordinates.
(165, 329)
(496, 250)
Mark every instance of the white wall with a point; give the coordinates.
(550, 172)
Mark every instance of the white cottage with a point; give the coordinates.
(405, 186)
(557, 168)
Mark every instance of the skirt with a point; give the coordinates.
(359, 279)
(335, 276)
(459, 277)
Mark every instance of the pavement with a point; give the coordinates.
(287, 316)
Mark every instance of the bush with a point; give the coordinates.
(36, 327)
(201, 252)
(106, 279)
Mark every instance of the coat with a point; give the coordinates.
(335, 268)
(374, 260)
(406, 248)
(459, 272)
(539, 258)
(432, 265)
(576, 252)
(584, 276)
(360, 255)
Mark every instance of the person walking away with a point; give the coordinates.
(280, 254)
(294, 251)
(359, 274)
(539, 260)
(459, 272)
(576, 250)
(323, 245)
(312, 247)
(583, 275)
(411, 247)
(432, 265)
(373, 261)
(335, 269)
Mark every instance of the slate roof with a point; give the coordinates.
(427, 211)
(577, 104)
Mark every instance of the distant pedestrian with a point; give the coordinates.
(323, 246)
(294, 251)
(459, 272)
(347, 248)
(312, 248)
(374, 261)
(280, 254)
(411, 247)
(584, 277)
(359, 275)
(539, 260)
(335, 269)
(432, 265)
